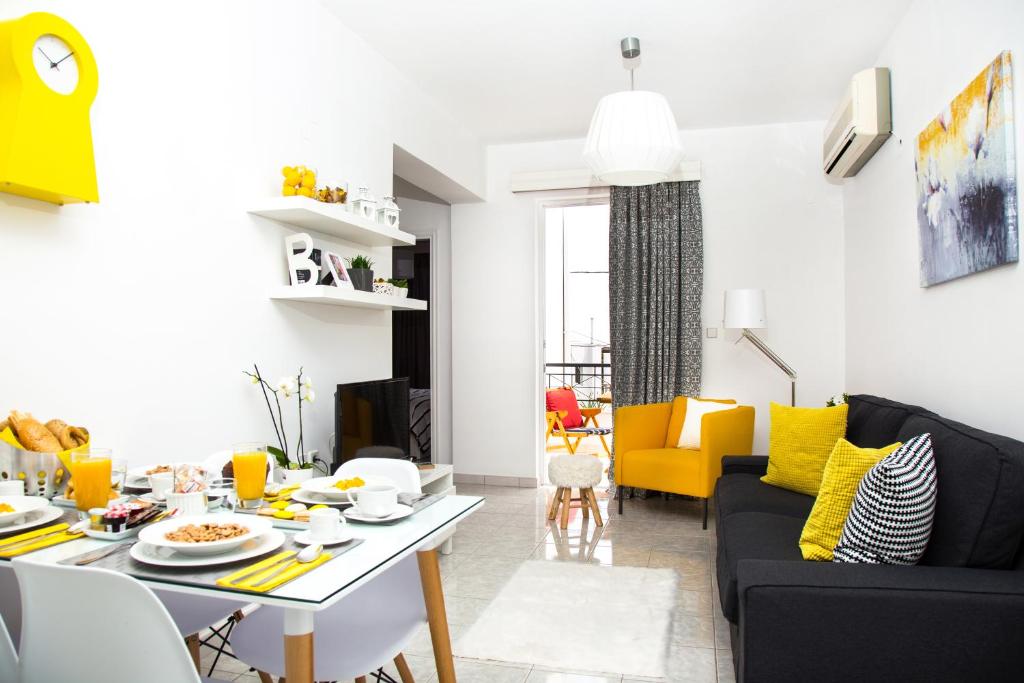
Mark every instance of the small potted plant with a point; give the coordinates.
(382, 286)
(401, 286)
(360, 270)
(294, 467)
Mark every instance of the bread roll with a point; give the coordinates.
(69, 437)
(32, 435)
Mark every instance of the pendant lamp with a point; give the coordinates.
(633, 139)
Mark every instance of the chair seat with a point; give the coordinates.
(575, 471)
(674, 470)
(589, 431)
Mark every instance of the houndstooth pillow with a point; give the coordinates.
(891, 517)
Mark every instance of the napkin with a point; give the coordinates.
(46, 542)
(254, 573)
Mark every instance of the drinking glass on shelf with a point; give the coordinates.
(249, 461)
(91, 476)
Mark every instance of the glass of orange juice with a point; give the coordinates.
(90, 473)
(249, 461)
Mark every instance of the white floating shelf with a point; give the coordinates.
(330, 219)
(336, 296)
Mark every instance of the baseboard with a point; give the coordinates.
(496, 480)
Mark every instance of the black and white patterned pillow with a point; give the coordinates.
(892, 514)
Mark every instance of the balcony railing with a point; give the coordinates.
(588, 380)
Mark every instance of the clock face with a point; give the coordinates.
(56, 64)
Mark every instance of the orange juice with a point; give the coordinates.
(92, 482)
(250, 474)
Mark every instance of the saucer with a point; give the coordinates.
(400, 512)
(344, 536)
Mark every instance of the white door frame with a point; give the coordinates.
(549, 201)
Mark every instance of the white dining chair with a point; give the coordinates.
(109, 627)
(8, 656)
(363, 631)
(10, 603)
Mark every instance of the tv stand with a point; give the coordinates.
(440, 480)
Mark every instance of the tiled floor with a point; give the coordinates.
(512, 528)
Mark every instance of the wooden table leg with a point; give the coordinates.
(192, 643)
(404, 672)
(298, 646)
(437, 618)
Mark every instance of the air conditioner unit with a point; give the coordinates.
(860, 125)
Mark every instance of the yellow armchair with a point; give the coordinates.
(646, 455)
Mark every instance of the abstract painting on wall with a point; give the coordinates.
(966, 180)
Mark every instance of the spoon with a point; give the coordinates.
(304, 556)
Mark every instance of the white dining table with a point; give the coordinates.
(383, 546)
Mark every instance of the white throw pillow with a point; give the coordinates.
(695, 412)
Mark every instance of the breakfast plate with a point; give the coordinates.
(165, 557)
(22, 505)
(325, 486)
(344, 536)
(37, 517)
(214, 501)
(250, 527)
(400, 512)
(310, 498)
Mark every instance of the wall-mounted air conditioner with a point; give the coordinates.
(861, 123)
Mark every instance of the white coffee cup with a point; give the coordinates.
(161, 483)
(12, 488)
(324, 524)
(374, 501)
(194, 503)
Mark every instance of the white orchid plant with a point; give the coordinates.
(301, 387)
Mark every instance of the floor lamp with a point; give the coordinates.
(744, 309)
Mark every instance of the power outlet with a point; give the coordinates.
(712, 333)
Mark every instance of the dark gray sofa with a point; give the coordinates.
(957, 616)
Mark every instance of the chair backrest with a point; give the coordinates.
(8, 657)
(403, 473)
(85, 624)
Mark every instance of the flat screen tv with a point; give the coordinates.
(371, 420)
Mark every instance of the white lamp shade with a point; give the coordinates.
(633, 139)
(744, 308)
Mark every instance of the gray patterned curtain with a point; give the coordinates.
(655, 280)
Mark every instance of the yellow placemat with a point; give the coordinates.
(247, 577)
(55, 539)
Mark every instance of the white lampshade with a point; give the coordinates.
(633, 139)
(744, 308)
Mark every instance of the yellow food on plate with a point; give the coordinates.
(346, 484)
(318, 507)
(4, 507)
(284, 514)
(279, 505)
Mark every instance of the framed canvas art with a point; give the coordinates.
(966, 180)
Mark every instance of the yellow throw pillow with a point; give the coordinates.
(799, 444)
(845, 468)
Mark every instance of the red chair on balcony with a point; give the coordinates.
(566, 420)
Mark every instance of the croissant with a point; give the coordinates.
(69, 437)
(32, 435)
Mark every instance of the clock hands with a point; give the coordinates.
(54, 65)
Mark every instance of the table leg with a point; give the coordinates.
(437, 618)
(446, 547)
(298, 645)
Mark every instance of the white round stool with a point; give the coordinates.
(569, 472)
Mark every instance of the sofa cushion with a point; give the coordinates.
(752, 536)
(873, 422)
(747, 493)
(979, 513)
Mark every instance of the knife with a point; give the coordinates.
(95, 555)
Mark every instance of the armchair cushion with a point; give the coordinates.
(677, 419)
(675, 470)
(690, 437)
(565, 399)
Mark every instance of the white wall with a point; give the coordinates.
(136, 317)
(770, 220)
(955, 347)
(433, 220)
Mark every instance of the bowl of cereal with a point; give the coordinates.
(211, 534)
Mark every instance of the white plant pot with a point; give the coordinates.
(289, 477)
(401, 292)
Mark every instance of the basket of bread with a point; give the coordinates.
(39, 453)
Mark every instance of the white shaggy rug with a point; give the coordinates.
(578, 616)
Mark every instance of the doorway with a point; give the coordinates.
(576, 341)
(411, 343)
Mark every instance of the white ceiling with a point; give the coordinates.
(518, 70)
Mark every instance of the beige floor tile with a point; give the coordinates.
(423, 668)
(462, 610)
(693, 630)
(694, 602)
(691, 665)
(552, 676)
(470, 671)
(500, 547)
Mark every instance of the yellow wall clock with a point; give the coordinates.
(48, 80)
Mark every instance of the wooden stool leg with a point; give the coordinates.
(264, 677)
(554, 503)
(593, 504)
(566, 497)
(360, 679)
(584, 504)
(404, 672)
